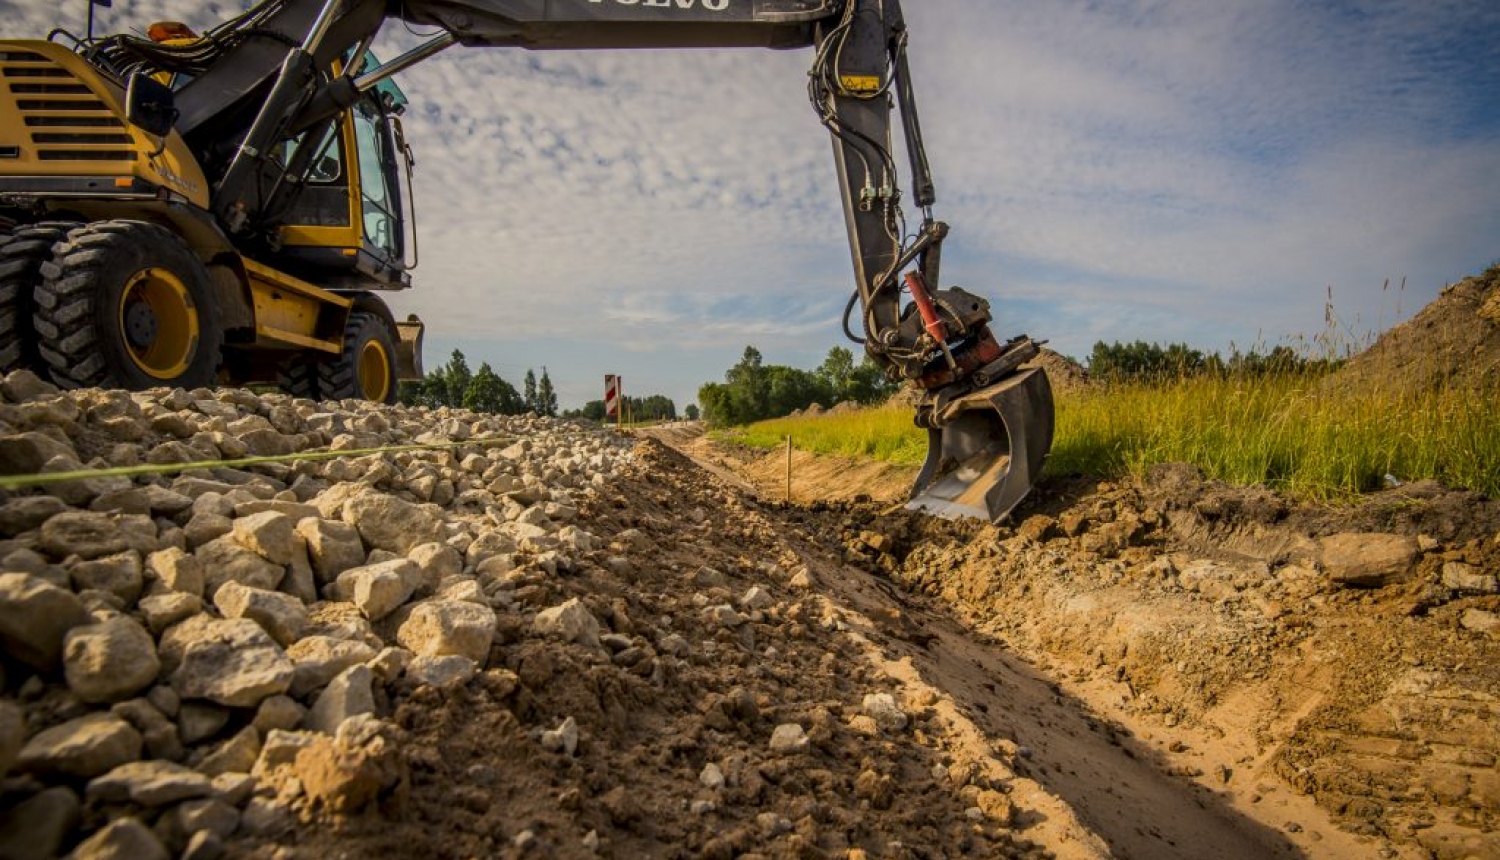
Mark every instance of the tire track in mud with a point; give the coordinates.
(1115, 784)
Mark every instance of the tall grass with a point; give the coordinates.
(1285, 431)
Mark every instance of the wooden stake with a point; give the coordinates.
(789, 470)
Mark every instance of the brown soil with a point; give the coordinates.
(1064, 373)
(1355, 722)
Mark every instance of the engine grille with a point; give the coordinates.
(64, 118)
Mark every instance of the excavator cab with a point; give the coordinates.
(350, 213)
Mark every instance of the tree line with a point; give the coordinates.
(1149, 362)
(455, 385)
(656, 407)
(753, 390)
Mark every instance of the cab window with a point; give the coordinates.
(327, 166)
(377, 202)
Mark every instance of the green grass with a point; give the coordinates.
(885, 434)
(1287, 432)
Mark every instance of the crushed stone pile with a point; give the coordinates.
(1453, 341)
(539, 641)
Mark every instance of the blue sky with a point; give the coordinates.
(1170, 171)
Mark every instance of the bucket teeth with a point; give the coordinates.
(987, 449)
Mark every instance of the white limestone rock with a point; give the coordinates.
(233, 662)
(225, 560)
(319, 659)
(389, 523)
(122, 839)
(788, 737)
(109, 661)
(119, 574)
(176, 570)
(882, 708)
(268, 533)
(82, 748)
(439, 628)
(84, 534)
(345, 696)
(34, 617)
(570, 621)
(281, 615)
(377, 589)
(149, 783)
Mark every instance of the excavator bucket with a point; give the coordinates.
(987, 449)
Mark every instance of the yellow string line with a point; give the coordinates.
(16, 482)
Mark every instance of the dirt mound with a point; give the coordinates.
(1065, 374)
(1453, 341)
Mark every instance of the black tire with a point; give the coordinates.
(366, 369)
(298, 376)
(126, 304)
(22, 253)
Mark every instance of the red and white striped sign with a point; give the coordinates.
(611, 395)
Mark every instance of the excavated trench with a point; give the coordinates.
(1117, 785)
(1172, 663)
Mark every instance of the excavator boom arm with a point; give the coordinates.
(990, 419)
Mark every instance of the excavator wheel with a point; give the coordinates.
(22, 253)
(126, 304)
(366, 369)
(298, 377)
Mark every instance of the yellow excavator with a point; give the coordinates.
(187, 209)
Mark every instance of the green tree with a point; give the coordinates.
(544, 400)
(511, 402)
(868, 383)
(1148, 362)
(485, 392)
(789, 389)
(837, 372)
(430, 391)
(718, 406)
(691, 412)
(528, 391)
(656, 407)
(456, 377)
(754, 390)
(749, 387)
(409, 392)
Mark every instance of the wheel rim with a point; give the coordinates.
(158, 323)
(374, 371)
